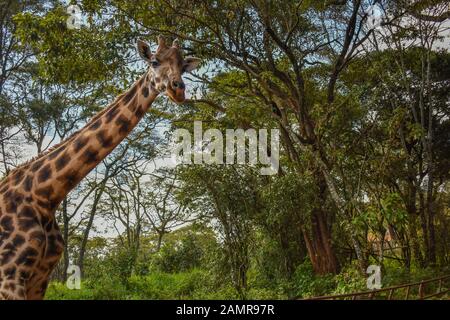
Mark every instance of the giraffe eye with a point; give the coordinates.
(154, 63)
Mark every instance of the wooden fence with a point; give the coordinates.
(422, 290)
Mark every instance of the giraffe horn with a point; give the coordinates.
(161, 42)
(176, 43)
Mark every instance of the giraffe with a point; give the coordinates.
(30, 241)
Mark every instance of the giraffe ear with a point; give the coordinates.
(144, 50)
(191, 63)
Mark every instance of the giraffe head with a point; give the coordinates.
(166, 66)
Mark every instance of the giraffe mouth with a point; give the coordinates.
(176, 96)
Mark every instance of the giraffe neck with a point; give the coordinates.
(52, 176)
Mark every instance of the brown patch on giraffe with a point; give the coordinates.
(54, 204)
(139, 111)
(45, 220)
(27, 212)
(112, 113)
(8, 253)
(145, 92)
(44, 192)
(43, 286)
(79, 143)
(12, 200)
(54, 246)
(24, 275)
(95, 125)
(28, 183)
(45, 173)
(62, 161)
(10, 286)
(9, 194)
(37, 236)
(130, 94)
(26, 224)
(124, 124)
(43, 204)
(27, 257)
(18, 177)
(50, 225)
(36, 165)
(55, 153)
(18, 241)
(90, 155)
(104, 139)
(132, 106)
(11, 206)
(10, 272)
(70, 179)
(6, 223)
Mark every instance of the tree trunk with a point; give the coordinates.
(319, 240)
(288, 264)
(2, 145)
(88, 228)
(66, 257)
(319, 247)
(412, 227)
(424, 225)
(97, 197)
(159, 243)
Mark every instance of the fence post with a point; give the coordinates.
(421, 290)
(391, 293)
(407, 292)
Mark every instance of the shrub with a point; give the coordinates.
(349, 280)
(306, 284)
(160, 285)
(59, 291)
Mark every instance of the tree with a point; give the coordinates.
(160, 206)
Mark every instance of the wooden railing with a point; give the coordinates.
(409, 291)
